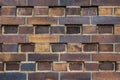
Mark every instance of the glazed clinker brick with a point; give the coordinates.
(75, 76)
(42, 57)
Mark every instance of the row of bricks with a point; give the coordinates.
(58, 11)
(67, 29)
(61, 76)
(51, 66)
(59, 2)
(59, 47)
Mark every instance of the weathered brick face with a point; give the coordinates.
(59, 39)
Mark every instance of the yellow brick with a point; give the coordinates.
(43, 38)
(74, 47)
(42, 47)
(117, 30)
(105, 11)
(117, 11)
(60, 66)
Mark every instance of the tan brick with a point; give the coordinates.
(74, 47)
(42, 47)
(117, 29)
(43, 38)
(117, 11)
(105, 11)
(59, 66)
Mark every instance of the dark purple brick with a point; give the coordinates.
(12, 66)
(57, 30)
(10, 29)
(27, 47)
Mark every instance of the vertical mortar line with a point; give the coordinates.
(113, 11)
(2, 29)
(59, 75)
(58, 2)
(91, 75)
(36, 64)
(114, 47)
(34, 29)
(26, 2)
(27, 76)
(4, 65)
(90, 2)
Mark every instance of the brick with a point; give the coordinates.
(105, 20)
(74, 48)
(12, 66)
(75, 66)
(27, 47)
(44, 65)
(58, 47)
(89, 11)
(9, 48)
(12, 2)
(106, 66)
(117, 47)
(89, 29)
(12, 57)
(28, 67)
(8, 11)
(106, 76)
(105, 11)
(74, 76)
(106, 47)
(117, 11)
(74, 57)
(43, 57)
(42, 29)
(43, 38)
(90, 47)
(117, 30)
(56, 11)
(73, 30)
(13, 76)
(57, 30)
(91, 66)
(24, 11)
(10, 29)
(26, 30)
(72, 11)
(1, 67)
(74, 20)
(1, 30)
(105, 29)
(42, 20)
(12, 20)
(60, 66)
(74, 2)
(43, 76)
(1, 47)
(43, 3)
(105, 57)
(118, 66)
(74, 39)
(41, 11)
(106, 2)
(42, 47)
(106, 38)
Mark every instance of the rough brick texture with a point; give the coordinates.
(59, 39)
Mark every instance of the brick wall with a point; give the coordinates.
(59, 39)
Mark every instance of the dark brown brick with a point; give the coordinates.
(42, 29)
(74, 2)
(12, 66)
(27, 47)
(73, 30)
(13, 2)
(9, 48)
(41, 11)
(91, 66)
(12, 57)
(1, 47)
(1, 67)
(106, 65)
(58, 47)
(72, 11)
(43, 57)
(75, 57)
(44, 65)
(74, 39)
(90, 47)
(43, 3)
(89, 29)
(43, 76)
(42, 20)
(106, 47)
(117, 47)
(10, 29)
(57, 30)
(75, 66)
(74, 20)
(106, 2)
(105, 20)
(74, 76)
(106, 76)
(26, 30)
(24, 11)
(106, 57)
(8, 11)
(89, 11)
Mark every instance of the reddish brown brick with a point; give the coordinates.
(44, 65)
(106, 48)
(118, 66)
(75, 57)
(26, 30)
(72, 11)
(27, 47)
(8, 11)
(12, 66)
(117, 47)
(1, 67)
(75, 66)
(106, 76)
(24, 11)
(43, 76)
(10, 29)
(74, 47)
(89, 29)
(60, 66)
(91, 66)
(57, 30)
(41, 11)
(106, 65)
